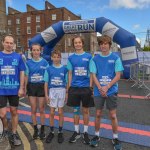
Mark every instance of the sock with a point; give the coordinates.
(60, 129)
(115, 135)
(77, 128)
(35, 127)
(42, 127)
(52, 129)
(85, 128)
(97, 133)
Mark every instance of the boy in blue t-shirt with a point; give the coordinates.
(79, 92)
(106, 69)
(12, 70)
(55, 93)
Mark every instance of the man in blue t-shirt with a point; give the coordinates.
(11, 85)
(79, 83)
(106, 69)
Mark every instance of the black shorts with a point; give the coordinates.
(77, 95)
(12, 99)
(35, 89)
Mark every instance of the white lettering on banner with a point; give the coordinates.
(49, 34)
(129, 53)
(79, 26)
(109, 29)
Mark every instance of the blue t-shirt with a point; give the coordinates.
(10, 67)
(105, 68)
(35, 70)
(79, 65)
(55, 76)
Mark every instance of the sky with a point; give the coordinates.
(131, 15)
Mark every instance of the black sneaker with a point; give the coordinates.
(86, 139)
(94, 141)
(35, 134)
(74, 137)
(60, 137)
(42, 135)
(49, 137)
(5, 134)
(116, 144)
(15, 139)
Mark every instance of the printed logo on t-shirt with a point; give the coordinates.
(105, 80)
(85, 59)
(111, 61)
(7, 70)
(80, 71)
(42, 67)
(15, 62)
(36, 78)
(56, 81)
(1, 61)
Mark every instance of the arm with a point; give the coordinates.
(46, 92)
(22, 85)
(26, 82)
(69, 78)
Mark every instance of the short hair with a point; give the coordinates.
(35, 44)
(77, 36)
(104, 38)
(57, 52)
(8, 35)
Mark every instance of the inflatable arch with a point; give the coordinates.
(49, 37)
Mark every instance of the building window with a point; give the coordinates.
(69, 42)
(9, 31)
(53, 16)
(28, 19)
(18, 42)
(38, 29)
(18, 31)
(37, 18)
(69, 18)
(9, 22)
(28, 30)
(18, 21)
(28, 41)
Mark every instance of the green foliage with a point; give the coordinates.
(146, 48)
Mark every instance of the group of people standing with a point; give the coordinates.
(85, 82)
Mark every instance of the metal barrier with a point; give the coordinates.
(140, 74)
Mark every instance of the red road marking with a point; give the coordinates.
(105, 126)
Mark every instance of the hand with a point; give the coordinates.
(47, 100)
(103, 92)
(21, 92)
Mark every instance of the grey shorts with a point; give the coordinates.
(111, 102)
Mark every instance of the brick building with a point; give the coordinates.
(25, 25)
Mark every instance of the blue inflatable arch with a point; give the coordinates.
(49, 37)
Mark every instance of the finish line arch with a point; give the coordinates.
(49, 37)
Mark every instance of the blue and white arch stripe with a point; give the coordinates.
(49, 37)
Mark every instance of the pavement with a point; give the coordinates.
(133, 107)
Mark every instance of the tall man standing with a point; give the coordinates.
(11, 85)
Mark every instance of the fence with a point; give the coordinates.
(140, 74)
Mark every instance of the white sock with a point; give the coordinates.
(115, 135)
(76, 128)
(85, 128)
(97, 133)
